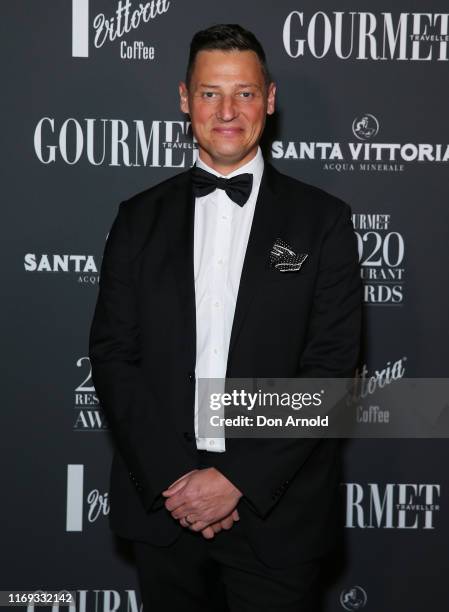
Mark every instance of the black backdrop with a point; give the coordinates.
(91, 117)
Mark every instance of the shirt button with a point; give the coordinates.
(216, 304)
(220, 261)
(215, 352)
(211, 443)
(224, 217)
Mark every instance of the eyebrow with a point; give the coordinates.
(210, 86)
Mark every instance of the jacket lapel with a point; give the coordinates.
(266, 222)
(180, 227)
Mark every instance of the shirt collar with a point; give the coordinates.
(254, 166)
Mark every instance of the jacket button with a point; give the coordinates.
(188, 436)
(191, 376)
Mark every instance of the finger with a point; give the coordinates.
(198, 526)
(175, 503)
(181, 511)
(235, 515)
(208, 533)
(181, 478)
(216, 527)
(178, 484)
(184, 523)
(189, 519)
(227, 522)
(175, 487)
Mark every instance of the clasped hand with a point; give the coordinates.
(203, 500)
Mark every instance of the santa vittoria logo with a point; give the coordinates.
(362, 154)
(365, 127)
(354, 598)
(83, 267)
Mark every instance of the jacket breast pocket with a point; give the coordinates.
(290, 277)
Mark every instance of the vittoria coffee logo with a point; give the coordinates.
(391, 505)
(367, 382)
(89, 416)
(354, 598)
(81, 503)
(363, 155)
(355, 35)
(115, 26)
(83, 267)
(382, 259)
(115, 142)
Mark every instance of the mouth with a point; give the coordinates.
(228, 131)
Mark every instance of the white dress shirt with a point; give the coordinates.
(221, 231)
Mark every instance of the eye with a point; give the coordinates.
(246, 94)
(208, 94)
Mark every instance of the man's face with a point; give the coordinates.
(228, 102)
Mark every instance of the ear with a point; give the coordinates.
(183, 97)
(271, 98)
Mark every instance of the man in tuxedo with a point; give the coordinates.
(190, 289)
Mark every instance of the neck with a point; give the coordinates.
(223, 167)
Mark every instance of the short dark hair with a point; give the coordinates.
(226, 37)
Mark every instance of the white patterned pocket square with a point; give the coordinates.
(284, 259)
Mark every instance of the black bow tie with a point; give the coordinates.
(238, 188)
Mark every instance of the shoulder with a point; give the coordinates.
(146, 210)
(162, 193)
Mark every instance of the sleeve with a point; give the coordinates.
(265, 467)
(153, 454)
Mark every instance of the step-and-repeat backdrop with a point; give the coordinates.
(91, 117)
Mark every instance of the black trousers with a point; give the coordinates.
(222, 575)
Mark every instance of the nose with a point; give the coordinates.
(227, 110)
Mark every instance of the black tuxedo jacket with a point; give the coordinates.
(142, 349)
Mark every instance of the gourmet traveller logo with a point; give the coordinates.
(95, 600)
(367, 36)
(115, 142)
(392, 505)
